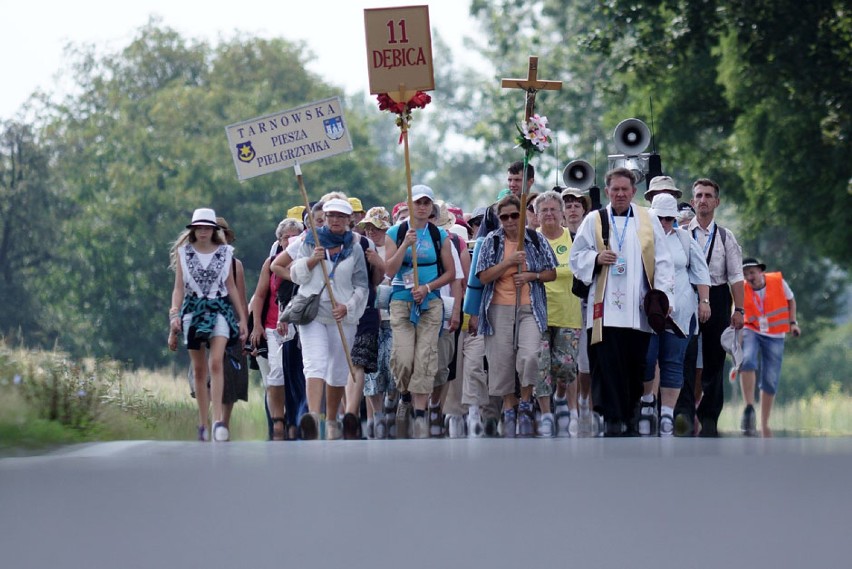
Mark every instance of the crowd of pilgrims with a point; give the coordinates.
(436, 322)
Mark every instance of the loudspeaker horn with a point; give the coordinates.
(631, 136)
(578, 174)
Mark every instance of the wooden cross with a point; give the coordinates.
(531, 85)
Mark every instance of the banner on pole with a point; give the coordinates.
(280, 140)
(399, 49)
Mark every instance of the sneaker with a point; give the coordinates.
(475, 428)
(220, 432)
(492, 428)
(309, 427)
(380, 427)
(667, 426)
(509, 423)
(421, 427)
(646, 424)
(351, 427)
(455, 426)
(562, 418)
(332, 430)
(544, 428)
(390, 408)
(574, 425)
(683, 426)
(436, 423)
(526, 421)
(371, 429)
(748, 425)
(597, 424)
(403, 420)
(203, 434)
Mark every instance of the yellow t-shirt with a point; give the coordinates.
(563, 308)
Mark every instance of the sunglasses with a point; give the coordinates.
(508, 216)
(667, 218)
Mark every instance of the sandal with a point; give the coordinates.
(279, 434)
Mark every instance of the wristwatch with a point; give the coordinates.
(740, 310)
(705, 301)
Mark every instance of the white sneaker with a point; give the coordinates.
(475, 428)
(562, 417)
(544, 426)
(455, 426)
(574, 425)
(380, 427)
(332, 430)
(421, 427)
(220, 432)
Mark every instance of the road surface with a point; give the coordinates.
(590, 503)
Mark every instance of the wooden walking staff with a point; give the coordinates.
(325, 276)
(531, 85)
(400, 97)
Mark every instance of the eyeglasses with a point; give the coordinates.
(508, 216)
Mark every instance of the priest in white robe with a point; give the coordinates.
(620, 266)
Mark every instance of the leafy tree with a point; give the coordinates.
(142, 144)
(30, 212)
(754, 94)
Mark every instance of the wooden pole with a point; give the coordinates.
(325, 276)
(408, 185)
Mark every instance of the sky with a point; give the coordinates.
(35, 33)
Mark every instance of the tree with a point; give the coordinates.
(754, 94)
(30, 211)
(143, 144)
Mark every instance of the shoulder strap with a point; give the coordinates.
(684, 237)
(400, 233)
(534, 237)
(435, 233)
(604, 226)
(723, 234)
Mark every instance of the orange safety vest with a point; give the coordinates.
(775, 307)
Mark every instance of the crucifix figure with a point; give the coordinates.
(532, 84)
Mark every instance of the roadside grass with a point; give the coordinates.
(47, 400)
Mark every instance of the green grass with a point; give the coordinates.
(42, 406)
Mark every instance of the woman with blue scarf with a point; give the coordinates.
(326, 368)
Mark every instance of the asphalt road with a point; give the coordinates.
(590, 503)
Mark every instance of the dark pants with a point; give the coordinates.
(295, 401)
(618, 372)
(712, 381)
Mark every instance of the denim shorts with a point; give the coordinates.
(769, 352)
(669, 351)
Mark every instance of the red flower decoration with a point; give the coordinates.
(418, 101)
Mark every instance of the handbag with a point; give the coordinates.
(303, 309)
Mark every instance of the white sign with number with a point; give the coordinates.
(281, 140)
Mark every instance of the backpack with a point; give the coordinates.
(434, 233)
(578, 287)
